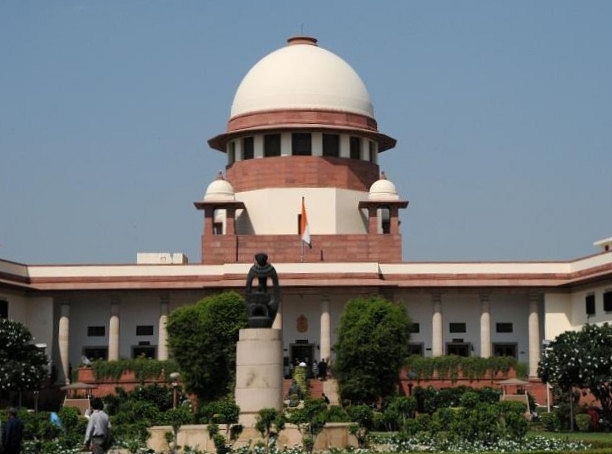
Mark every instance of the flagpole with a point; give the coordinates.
(302, 233)
(302, 250)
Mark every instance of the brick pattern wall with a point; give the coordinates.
(302, 172)
(219, 249)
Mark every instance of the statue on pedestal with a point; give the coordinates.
(261, 304)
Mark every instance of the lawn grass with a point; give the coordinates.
(601, 439)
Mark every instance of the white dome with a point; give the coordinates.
(302, 76)
(219, 190)
(383, 189)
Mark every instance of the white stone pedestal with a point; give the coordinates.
(259, 372)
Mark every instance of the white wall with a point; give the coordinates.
(558, 308)
(275, 211)
(513, 308)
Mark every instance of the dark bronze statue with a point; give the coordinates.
(261, 304)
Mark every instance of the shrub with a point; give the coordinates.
(398, 411)
(424, 421)
(442, 419)
(470, 399)
(411, 427)
(583, 422)
(335, 413)
(550, 421)
(363, 416)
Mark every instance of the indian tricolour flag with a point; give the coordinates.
(304, 230)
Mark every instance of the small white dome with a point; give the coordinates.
(383, 189)
(220, 189)
(302, 76)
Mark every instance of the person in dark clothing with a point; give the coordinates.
(322, 369)
(13, 433)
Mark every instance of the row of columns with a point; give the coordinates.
(437, 341)
(113, 335)
(437, 344)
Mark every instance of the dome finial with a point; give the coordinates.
(220, 175)
(382, 175)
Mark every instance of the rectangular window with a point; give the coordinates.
(458, 349)
(504, 350)
(96, 331)
(231, 153)
(331, 145)
(301, 144)
(504, 327)
(456, 327)
(248, 148)
(143, 351)
(355, 148)
(607, 297)
(272, 145)
(144, 330)
(415, 328)
(372, 152)
(93, 353)
(3, 309)
(589, 302)
(415, 349)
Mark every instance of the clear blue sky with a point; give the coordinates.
(502, 112)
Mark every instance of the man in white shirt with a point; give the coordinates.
(97, 435)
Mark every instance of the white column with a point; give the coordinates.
(534, 335)
(436, 326)
(63, 339)
(162, 341)
(485, 326)
(317, 143)
(113, 332)
(325, 340)
(258, 146)
(286, 144)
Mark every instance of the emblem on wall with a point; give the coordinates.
(302, 324)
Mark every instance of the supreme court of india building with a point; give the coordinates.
(302, 132)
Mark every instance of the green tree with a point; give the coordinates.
(222, 412)
(371, 349)
(269, 422)
(203, 339)
(363, 418)
(581, 359)
(177, 417)
(310, 420)
(23, 365)
(399, 410)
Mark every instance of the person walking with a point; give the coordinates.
(97, 435)
(13, 433)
